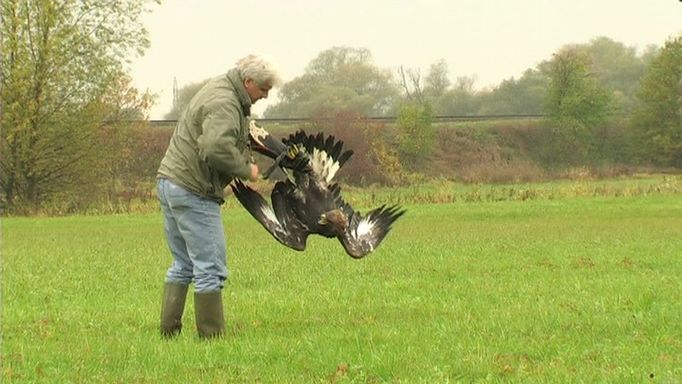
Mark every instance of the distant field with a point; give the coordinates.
(546, 289)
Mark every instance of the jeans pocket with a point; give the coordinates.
(175, 195)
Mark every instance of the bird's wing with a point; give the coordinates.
(285, 156)
(281, 224)
(263, 142)
(326, 154)
(365, 233)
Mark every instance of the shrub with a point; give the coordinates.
(415, 134)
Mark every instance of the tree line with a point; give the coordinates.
(581, 88)
(345, 78)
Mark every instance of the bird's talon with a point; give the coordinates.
(293, 151)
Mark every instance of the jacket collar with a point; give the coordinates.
(238, 84)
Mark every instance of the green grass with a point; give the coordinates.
(571, 289)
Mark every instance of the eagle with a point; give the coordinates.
(308, 201)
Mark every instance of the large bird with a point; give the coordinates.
(309, 202)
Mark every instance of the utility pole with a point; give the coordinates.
(175, 92)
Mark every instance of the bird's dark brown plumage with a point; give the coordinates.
(309, 202)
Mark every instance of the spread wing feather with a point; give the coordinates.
(300, 198)
(280, 222)
(326, 154)
(365, 233)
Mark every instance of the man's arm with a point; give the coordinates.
(218, 143)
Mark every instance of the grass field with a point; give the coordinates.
(568, 289)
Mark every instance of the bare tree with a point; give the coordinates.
(410, 80)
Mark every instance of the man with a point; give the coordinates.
(209, 148)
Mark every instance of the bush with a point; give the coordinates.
(415, 134)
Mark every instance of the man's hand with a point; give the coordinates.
(254, 172)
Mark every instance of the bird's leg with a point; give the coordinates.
(276, 164)
(293, 151)
(289, 176)
(290, 153)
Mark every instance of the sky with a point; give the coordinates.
(192, 40)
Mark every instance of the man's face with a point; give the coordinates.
(255, 91)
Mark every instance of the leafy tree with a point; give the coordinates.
(575, 103)
(342, 79)
(185, 94)
(437, 81)
(62, 80)
(574, 96)
(613, 66)
(460, 99)
(618, 69)
(523, 96)
(659, 117)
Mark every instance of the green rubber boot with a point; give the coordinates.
(209, 314)
(172, 306)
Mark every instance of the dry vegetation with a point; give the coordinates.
(466, 153)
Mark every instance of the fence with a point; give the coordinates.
(438, 119)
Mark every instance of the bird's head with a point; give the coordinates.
(336, 219)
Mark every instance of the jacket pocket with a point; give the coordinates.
(208, 179)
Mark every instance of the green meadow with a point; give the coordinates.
(536, 286)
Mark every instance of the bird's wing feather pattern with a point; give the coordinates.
(291, 200)
(365, 233)
(263, 142)
(281, 224)
(326, 155)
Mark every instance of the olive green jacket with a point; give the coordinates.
(210, 145)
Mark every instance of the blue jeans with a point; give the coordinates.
(195, 236)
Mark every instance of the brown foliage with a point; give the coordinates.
(358, 134)
(123, 175)
(469, 156)
(499, 153)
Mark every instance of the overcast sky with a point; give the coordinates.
(192, 40)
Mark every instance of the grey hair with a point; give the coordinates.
(259, 69)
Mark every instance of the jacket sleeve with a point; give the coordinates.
(218, 140)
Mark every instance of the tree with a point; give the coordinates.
(62, 79)
(523, 96)
(617, 68)
(340, 78)
(613, 66)
(460, 99)
(575, 99)
(575, 102)
(437, 81)
(659, 117)
(411, 83)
